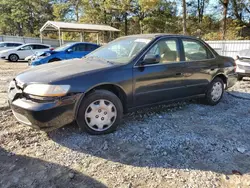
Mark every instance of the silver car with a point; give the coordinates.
(9, 45)
(243, 64)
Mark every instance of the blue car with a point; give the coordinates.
(67, 51)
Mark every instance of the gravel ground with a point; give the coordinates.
(180, 145)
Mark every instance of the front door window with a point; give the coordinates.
(167, 50)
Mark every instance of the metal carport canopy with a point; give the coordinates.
(75, 27)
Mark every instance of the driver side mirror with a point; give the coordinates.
(150, 59)
(69, 50)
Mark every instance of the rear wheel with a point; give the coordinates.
(13, 58)
(215, 91)
(239, 78)
(100, 112)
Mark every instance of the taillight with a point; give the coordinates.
(235, 65)
(51, 49)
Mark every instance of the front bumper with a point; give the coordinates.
(45, 115)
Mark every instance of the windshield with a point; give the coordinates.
(121, 50)
(63, 47)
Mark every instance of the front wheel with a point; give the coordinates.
(100, 112)
(215, 92)
(13, 58)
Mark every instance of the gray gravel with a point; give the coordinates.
(180, 145)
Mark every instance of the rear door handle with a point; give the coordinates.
(178, 74)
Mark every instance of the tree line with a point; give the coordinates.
(208, 19)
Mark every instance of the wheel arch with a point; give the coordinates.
(114, 88)
(221, 76)
(13, 54)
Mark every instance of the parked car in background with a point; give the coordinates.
(129, 73)
(243, 63)
(21, 52)
(9, 45)
(67, 51)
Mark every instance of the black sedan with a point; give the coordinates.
(129, 73)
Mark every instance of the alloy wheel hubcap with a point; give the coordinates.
(100, 115)
(13, 58)
(217, 91)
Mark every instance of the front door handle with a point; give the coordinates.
(213, 68)
(178, 74)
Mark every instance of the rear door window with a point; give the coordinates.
(38, 47)
(79, 48)
(195, 50)
(90, 47)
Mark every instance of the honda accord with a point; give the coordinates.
(126, 74)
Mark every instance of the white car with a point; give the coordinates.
(9, 45)
(243, 64)
(23, 51)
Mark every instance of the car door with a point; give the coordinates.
(162, 81)
(90, 48)
(77, 51)
(200, 64)
(25, 51)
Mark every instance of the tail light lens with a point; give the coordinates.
(51, 49)
(235, 65)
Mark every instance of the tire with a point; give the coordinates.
(98, 108)
(53, 60)
(13, 58)
(214, 92)
(239, 78)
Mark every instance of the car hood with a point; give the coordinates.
(244, 53)
(6, 51)
(56, 71)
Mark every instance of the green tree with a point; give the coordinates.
(24, 17)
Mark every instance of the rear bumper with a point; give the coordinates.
(47, 115)
(231, 79)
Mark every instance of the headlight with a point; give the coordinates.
(46, 90)
(43, 55)
(2, 54)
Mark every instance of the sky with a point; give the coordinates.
(209, 9)
(213, 8)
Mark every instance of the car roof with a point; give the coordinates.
(81, 43)
(11, 42)
(36, 44)
(157, 35)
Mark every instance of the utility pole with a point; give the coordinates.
(184, 19)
